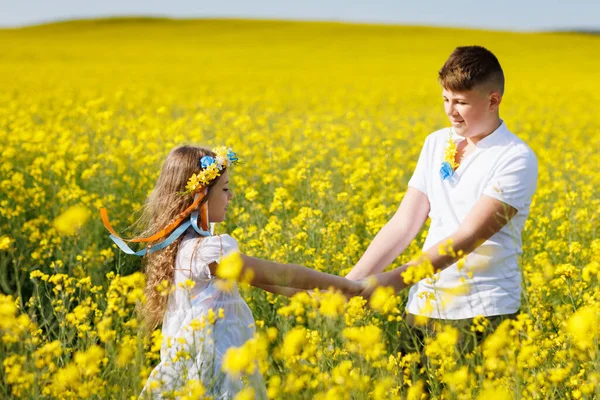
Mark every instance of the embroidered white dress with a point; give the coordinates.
(190, 352)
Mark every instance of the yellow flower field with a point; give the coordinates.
(329, 120)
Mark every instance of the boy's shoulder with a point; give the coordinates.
(518, 146)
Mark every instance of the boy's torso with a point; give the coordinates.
(489, 281)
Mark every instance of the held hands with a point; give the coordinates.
(371, 283)
(391, 278)
(353, 288)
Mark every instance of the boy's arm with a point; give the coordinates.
(395, 236)
(486, 218)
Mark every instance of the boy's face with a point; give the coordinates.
(472, 112)
(218, 198)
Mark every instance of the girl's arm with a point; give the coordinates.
(295, 276)
(280, 290)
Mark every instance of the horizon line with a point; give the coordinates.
(163, 17)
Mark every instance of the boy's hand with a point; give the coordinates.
(355, 288)
(371, 283)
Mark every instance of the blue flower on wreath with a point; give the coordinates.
(232, 156)
(446, 171)
(206, 161)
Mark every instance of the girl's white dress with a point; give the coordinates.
(190, 352)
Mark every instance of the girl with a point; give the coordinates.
(191, 192)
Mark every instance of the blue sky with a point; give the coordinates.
(523, 15)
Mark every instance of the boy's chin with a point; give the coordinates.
(461, 130)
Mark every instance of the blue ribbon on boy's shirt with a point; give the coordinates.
(446, 171)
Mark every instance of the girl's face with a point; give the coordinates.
(218, 199)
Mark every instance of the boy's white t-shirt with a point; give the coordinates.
(504, 167)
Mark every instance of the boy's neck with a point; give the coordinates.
(492, 126)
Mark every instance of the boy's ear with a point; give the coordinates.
(495, 99)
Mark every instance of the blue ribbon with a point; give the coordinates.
(194, 222)
(446, 171)
(169, 240)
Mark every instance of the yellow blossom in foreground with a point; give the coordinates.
(495, 394)
(230, 266)
(331, 303)
(245, 359)
(384, 299)
(294, 340)
(246, 394)
(584, 327)
(70, 221)
(193, 390)
(365, 340)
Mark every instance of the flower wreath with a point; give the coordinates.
(210, 168)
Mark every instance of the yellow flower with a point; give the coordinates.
(450, 152)
(244, 359)
(70, 221)
(416, 391)
(192, 183)
(293, 341)
(355, 310)
(251, 194)
(126, 351)
(444, 342)
(5, 242)
(230, 266)
(245, 394)
(331, 303)
(90, 360)
(583, 326)
(494, 394)
(457, 380)
(384, 299)
(365, 340)
(192, 390)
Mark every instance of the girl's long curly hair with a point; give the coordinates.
(162, 206)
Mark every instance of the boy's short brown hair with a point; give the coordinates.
(470, 66)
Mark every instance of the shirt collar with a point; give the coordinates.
(488, 141)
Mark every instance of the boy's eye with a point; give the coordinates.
(226, 189)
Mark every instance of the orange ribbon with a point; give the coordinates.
(170, 227)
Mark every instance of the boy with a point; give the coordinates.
(475, 181)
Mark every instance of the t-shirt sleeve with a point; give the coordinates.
(515, 180)
(209, 250)
(419, 177)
